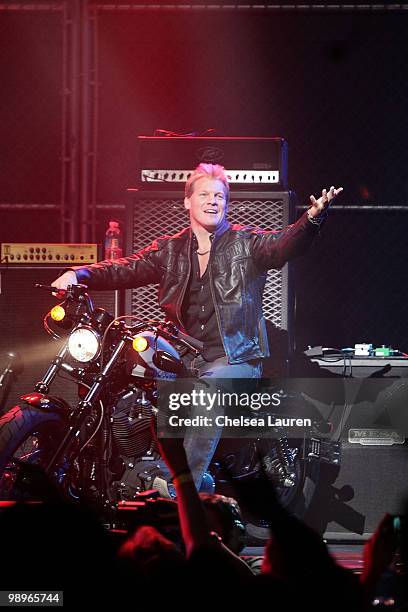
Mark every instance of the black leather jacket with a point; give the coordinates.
(239, 260)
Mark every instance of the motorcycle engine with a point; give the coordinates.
(135, 445)
(131, 421)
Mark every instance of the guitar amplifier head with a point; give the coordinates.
(169, 161)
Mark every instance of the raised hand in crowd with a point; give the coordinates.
(378, 554)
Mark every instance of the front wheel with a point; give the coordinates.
(26, 435)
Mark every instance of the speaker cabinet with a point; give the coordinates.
(22, 310)
(351, 500)
(154, 213)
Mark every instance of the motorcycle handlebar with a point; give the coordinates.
(196, 344)
(76, 292)
(50, 289)
(172, 330)
(173, 333)
(73, 293)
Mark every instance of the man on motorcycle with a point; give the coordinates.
(211, 277)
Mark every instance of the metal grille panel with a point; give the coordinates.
(156, 214)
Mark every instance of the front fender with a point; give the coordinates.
(47, 403)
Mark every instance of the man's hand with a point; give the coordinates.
(68, 278)
(318, 206)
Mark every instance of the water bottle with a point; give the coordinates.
(113, 241)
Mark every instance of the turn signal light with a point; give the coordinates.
(57, 313)
(140, 344)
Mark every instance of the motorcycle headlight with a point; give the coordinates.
(83, 344)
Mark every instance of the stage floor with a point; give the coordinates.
(349, 556)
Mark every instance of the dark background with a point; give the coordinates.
(332, 83)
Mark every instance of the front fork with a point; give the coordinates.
(43, 386)
(78, 416)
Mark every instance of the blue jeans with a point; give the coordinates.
(200, 450)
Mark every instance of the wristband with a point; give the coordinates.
(318, 219)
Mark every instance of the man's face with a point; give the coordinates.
(207, 204)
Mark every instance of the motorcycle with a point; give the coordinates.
(100, 449)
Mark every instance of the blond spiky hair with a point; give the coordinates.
(212, 171)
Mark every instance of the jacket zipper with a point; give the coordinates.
(244, 316)
(181, 298)
(261, 344)
(217, 314)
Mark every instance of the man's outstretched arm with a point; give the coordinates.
(142, 268)
(272, 249)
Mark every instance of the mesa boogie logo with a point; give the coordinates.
(375, 437)
(209, 154)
